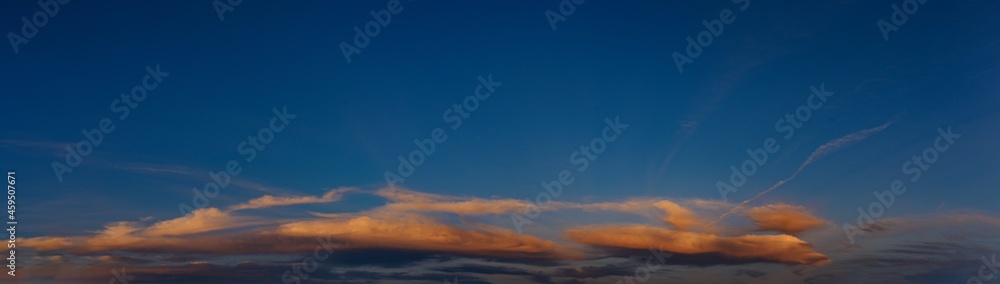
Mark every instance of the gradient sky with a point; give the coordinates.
(324, 173)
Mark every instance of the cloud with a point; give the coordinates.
(397, 238)
(56, 148)
(199, 221)
(844, 141)
(639, 207)
(47, 243)
(243, 272)
(928, 248)
(406, 195)
(908, 251)
(153, 168)
(412, 201)
(676, 213)
(415, 232)
(772, 248)
(273, 201)
(174, 234)
(784, 218)
(680, 217)
(820, 152)
(214, 232)
(401, 226)
(468, 207)
(182, 171)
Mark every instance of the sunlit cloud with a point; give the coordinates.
(273, 201)
(677, 216)
(403, 224)
(783, 218)
(415, 232)
(199, 221)
(407, 200)
(777, 248)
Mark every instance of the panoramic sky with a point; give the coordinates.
(388, 141)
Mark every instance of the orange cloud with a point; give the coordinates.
(777, 248)
(407, 200)
(784, 218)
(199, 221)
(680, 217)
(133, 236)
(272, 201)
(384, 230)
(405, 195)
(246, 242)
(640, 207)
(414, 232)
(47, 243)
(468, 207)
(672, 213)
(399, 225)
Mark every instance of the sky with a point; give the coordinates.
(502, 141)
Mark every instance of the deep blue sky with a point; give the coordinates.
(608, 59)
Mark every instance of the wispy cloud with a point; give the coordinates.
(55, 148)
(408, 200)
(820, 152)
(273, 201)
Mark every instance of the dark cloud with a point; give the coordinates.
(382, 258)
(486, 269)
(638, 257)
(596, 271)
(751, 273)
